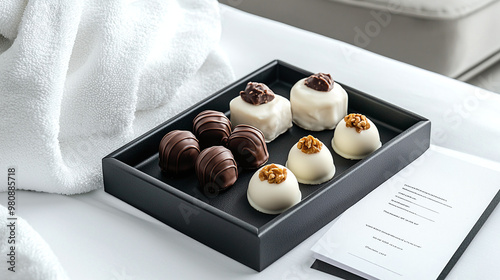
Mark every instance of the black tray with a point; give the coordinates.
(227, 222)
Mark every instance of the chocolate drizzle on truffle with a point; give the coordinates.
(178, 151)
(320, 82)
(216, 169)
(257, 93)
(211, 128)
(248, 146)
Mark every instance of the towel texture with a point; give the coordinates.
(27, 256)
(79, 78)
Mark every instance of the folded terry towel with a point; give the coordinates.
(29, 256)
(79, 78)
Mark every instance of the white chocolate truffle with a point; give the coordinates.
(273, 198)
(310, 161)
(353, 141)
(272, 118)
(317, 110)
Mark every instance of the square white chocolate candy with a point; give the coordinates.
(317, 110)
(272, 118)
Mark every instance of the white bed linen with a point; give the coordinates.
(96, 236)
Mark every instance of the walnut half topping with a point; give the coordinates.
(273, 174)
(309, 145)
(357, 121)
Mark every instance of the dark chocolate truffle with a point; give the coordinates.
(248, 146)
(257, 93)
(178, 152)
(216, 169)
(320, 82)
(212, 128)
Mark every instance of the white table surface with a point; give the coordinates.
(97, 236)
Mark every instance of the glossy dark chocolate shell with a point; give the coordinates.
(212, 128)
(248, 146)
(216, 170)
(178, 152)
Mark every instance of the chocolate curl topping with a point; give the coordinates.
(320, 82)
(257, 93)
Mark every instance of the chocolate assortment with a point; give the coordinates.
(132, 174)
(317, 103)
(216, 165)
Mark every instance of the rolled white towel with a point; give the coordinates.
(78, 79)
